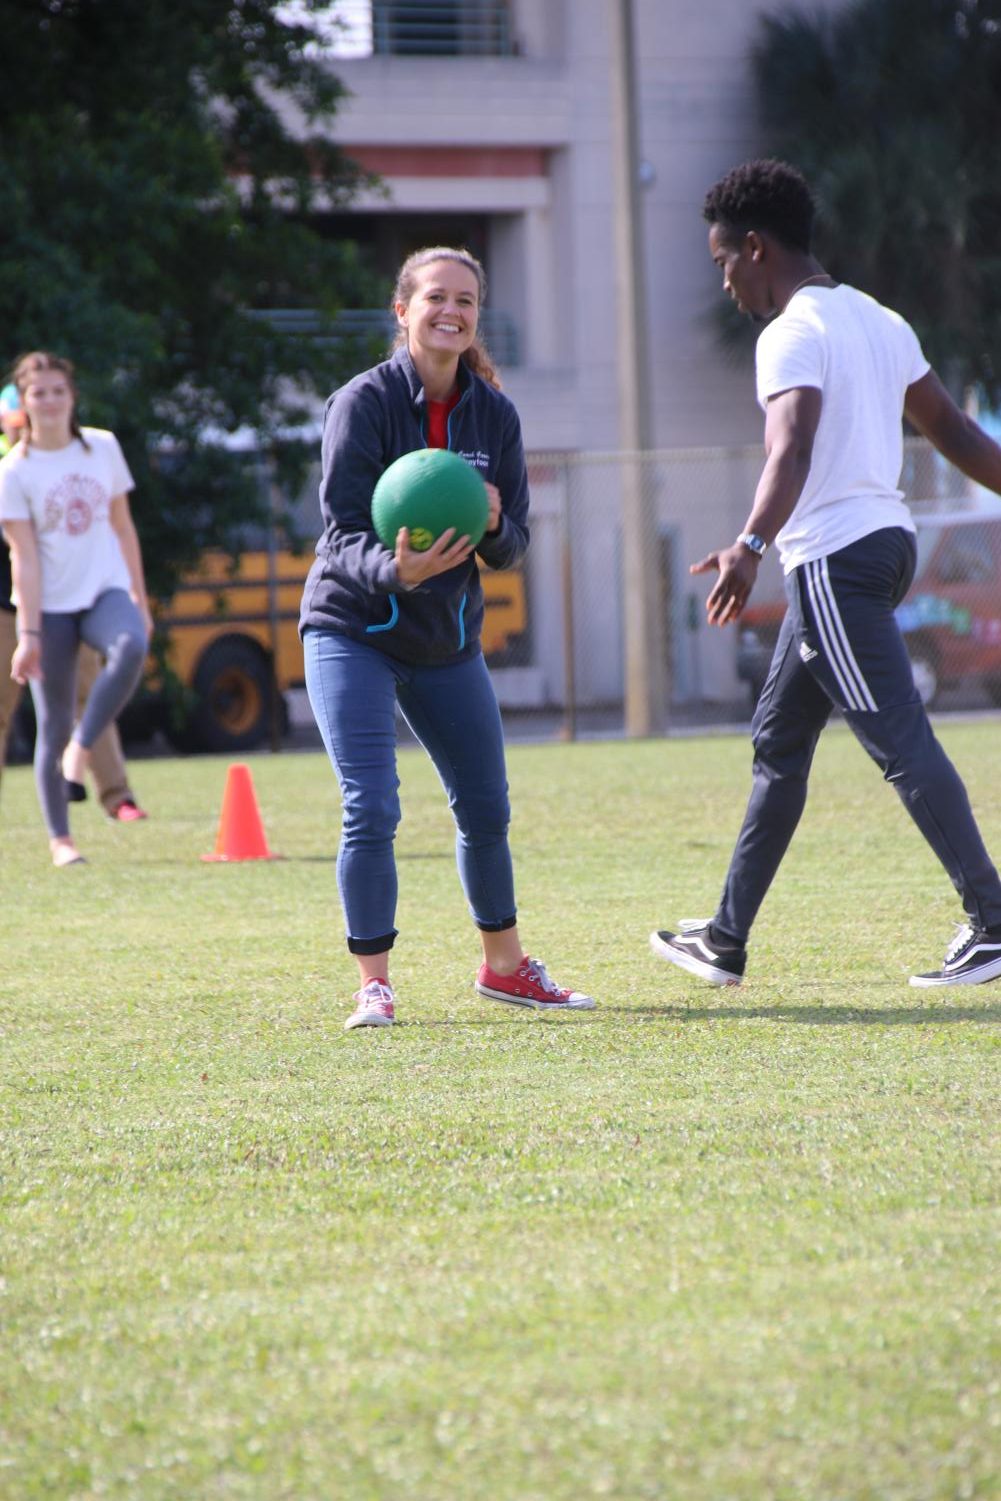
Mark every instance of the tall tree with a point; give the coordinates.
(892, 109)
(153, 197)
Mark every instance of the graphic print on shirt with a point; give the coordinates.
(478, 459)
(74, 505)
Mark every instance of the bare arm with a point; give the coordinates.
(790, 427)
(26, 574)
(929, 408)
(128, 540)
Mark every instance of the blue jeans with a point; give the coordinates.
(452, 710)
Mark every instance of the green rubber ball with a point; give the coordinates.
(428, 491)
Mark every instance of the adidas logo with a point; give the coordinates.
(806, 651)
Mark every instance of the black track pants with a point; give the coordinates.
(840, 644)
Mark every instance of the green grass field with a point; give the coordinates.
(698, 1245)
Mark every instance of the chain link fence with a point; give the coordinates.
(605, 633)
(602, 631)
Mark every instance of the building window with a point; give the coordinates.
(441, 28)
(384, 241)
(408, 28)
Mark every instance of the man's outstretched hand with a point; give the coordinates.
(738, 572)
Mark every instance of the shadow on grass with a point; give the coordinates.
(821, 1016)
(812, 1016)
(422, 1023)
(508, 1016)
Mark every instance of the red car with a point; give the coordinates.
(951, 618)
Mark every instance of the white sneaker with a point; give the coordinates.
(973, 956)
(695, 948)
(373, 1006)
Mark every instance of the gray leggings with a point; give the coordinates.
(114, 628)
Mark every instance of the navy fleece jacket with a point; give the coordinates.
(353, 586)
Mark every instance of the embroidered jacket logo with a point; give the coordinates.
(806, 651)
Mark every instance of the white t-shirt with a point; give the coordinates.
(862, 357)
(67, 492)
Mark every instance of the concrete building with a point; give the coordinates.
(490, 123)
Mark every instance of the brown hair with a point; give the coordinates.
(25, 367)
(476, 356)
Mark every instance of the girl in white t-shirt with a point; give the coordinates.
(78, 576)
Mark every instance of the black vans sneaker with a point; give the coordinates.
(973, 956)
(702, 952)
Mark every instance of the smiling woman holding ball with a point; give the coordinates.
(396, 625)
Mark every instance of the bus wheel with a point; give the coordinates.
(233, 686)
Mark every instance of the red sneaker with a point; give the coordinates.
(127, 812)
(531, 986)
(373, 1006)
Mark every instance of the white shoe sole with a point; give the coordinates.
(367, 1021)
(583, 1003)
(991, 970)
(694, 966)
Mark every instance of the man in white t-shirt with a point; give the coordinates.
(836, 374)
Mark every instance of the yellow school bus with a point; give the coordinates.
(233, 642)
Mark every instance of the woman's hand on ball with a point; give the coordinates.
(494, 515)
(414, 567)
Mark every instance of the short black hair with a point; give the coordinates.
(764, 195)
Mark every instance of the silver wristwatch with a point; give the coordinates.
(754, 543)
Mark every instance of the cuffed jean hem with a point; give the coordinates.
(372, 945)
(497, 927)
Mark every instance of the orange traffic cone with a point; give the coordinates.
(241, 833)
